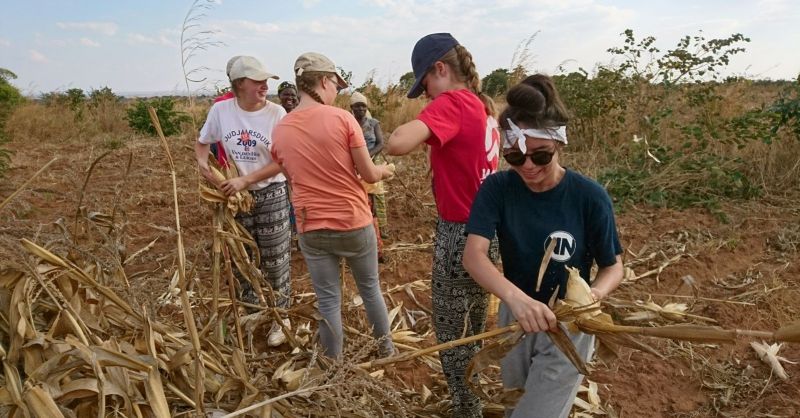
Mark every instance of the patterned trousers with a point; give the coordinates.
(379, 201)
(459, 310)
(268, 223)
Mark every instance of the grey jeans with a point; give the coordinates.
(537, 365)
(322, 250)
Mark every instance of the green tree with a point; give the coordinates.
(10, 98)
(169, 118)
(103, 95)
(406, 81)
(496, 83)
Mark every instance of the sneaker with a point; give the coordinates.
(276, 336)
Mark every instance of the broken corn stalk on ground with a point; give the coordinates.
(580, 312)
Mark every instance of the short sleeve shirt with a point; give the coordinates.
(245, 136)
(369, 125)
(314, 147)
(464, 145)
(577, 214)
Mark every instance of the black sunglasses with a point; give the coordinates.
(517, 158)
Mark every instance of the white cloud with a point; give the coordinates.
(5, 42)
(105, 28)
(90, 43)
(138, 38)
(254, 26)
(169, 37)
(37, 56)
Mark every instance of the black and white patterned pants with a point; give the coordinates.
(268, 223)
(459, 310)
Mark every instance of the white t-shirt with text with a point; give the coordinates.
(245, 136)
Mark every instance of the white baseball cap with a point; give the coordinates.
(249, 67)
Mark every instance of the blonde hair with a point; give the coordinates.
(460, 60)
(309, 80)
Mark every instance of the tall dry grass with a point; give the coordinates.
(44, 122)
(774, 167)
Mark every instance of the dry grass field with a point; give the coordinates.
(106, 207)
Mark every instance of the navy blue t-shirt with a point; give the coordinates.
(577, 213)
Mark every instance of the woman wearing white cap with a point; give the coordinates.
(536, 202)
(322, 150)
(243, 127)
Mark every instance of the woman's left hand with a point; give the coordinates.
(231, 186)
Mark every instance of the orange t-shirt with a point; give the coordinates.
(314, 148)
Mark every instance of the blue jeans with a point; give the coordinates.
(322, 250)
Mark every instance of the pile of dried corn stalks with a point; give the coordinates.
(71, 346)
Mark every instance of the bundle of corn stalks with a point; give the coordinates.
(578, 311)
(72, 346)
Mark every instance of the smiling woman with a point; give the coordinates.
(534, 204)
(243, 127)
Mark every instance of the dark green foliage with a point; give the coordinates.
(170, 119)
(102, 96)
(597, 104)
(10, 98)
(680, 181)
(496, 83)
(787, 110)
(406, 81)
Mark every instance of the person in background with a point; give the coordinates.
(459, 127)
(321, 149)
(219, 153)
(527, 207)
(242, 126)
(287, 94)
(374, 137)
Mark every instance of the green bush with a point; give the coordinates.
(680, 180)
(170, 119)
(787, 110)
(10, 97)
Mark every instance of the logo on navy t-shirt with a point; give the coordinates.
(565, 245)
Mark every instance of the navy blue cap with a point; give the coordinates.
(426, 52)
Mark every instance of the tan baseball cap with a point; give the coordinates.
(249, 67)
(314, 61)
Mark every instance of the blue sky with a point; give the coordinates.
(133, 46)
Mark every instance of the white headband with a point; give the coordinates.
(518, 136)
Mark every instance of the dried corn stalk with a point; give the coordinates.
(768, 353)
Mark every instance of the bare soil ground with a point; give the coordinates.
(743, 273)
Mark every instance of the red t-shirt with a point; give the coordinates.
(221, 157)
(464, 150)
